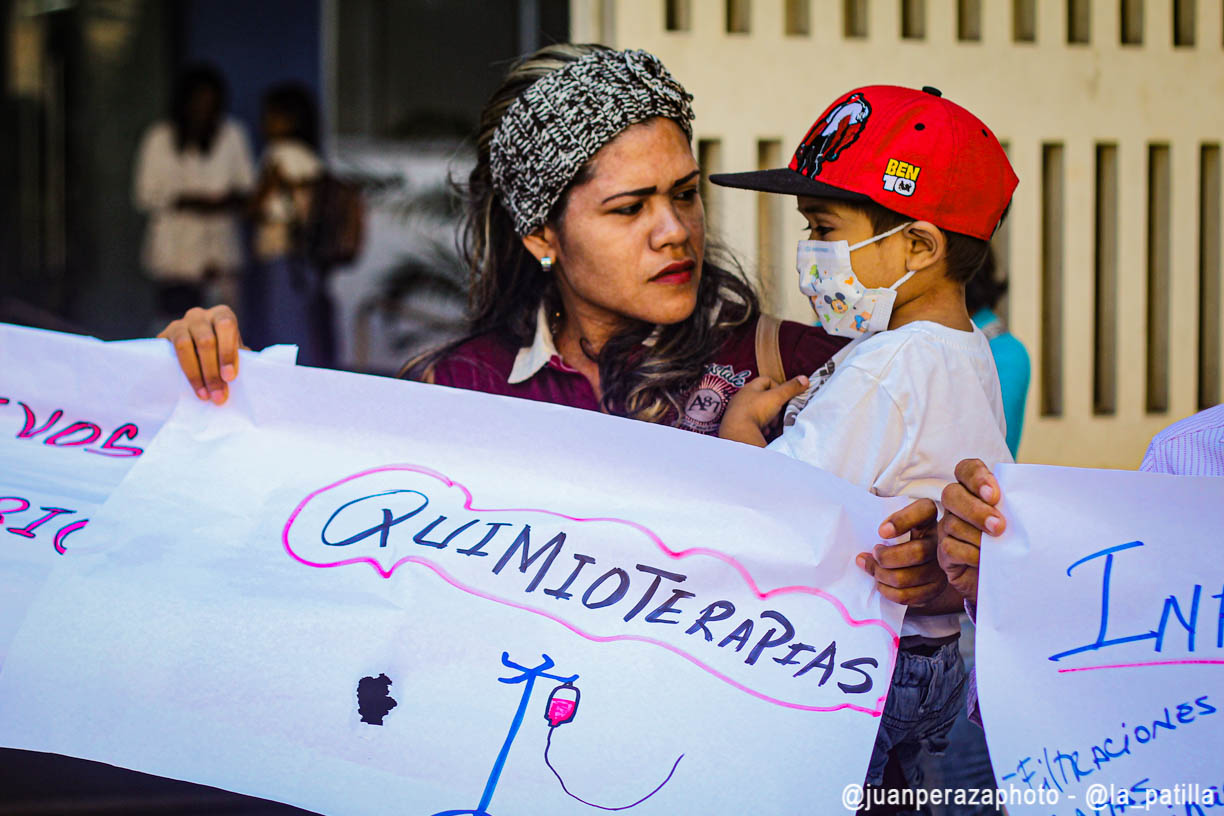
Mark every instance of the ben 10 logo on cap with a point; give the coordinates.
(901, 177)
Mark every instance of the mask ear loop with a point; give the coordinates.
(881, 236)
(909, 273)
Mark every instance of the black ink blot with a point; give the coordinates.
(373, 701)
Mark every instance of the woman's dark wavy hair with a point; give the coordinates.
(507, 284)
(193, 78)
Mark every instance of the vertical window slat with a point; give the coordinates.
(1184, 20)
(1211, 280)
(1158, 278)
(1024, 20)
(1105, 270)
(678, 15)
(1079, 22)
(1130, 20)
(854, 19)
(798, 18)
(969, 20)
(1052, 241)
(739, 16)
(913, 19)
(770, 214)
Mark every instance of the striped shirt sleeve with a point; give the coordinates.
(1192, 447)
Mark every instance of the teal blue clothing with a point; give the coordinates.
(1012, 361)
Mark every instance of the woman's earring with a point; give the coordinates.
(546, 263)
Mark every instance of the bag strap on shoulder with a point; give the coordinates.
(768, 357)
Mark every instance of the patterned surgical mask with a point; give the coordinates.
(843, 305)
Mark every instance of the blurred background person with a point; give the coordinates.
(982, 296)
(192, 178)
(287, 300)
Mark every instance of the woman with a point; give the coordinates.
(590, 285)
(193, 174)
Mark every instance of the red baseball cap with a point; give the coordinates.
(909, 151)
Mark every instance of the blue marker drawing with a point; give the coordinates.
(1172, 609)
(1101, 640)
(527, 677)
(561, 708)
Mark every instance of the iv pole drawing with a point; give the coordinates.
(562, 705)
(526, 676)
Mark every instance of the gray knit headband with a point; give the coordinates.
(554, 127)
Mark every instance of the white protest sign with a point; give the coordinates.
(357, 594)
(1100, 642)
(75, 413)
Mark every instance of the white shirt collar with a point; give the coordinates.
(543, 349)
(531, 359)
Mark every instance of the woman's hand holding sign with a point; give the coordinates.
(969, 511)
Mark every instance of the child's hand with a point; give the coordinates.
(755, 405)
(907, 573)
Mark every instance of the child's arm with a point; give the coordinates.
(756, 405)
(854, 428)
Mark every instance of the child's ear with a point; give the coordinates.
(926, 245)
(542, 243)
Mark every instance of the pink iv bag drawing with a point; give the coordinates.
(562, 704)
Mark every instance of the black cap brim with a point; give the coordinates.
(787, 182)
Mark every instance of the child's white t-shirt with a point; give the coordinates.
(899, 410)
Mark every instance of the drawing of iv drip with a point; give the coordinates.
(527, 677)
(561, 708)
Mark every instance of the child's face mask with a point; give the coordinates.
(843, 305)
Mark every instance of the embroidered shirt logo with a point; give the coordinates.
(818, 379)
(705, 405)
(901, 177)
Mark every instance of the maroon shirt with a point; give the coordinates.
(484, 364)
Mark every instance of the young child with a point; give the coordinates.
(901, 191)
